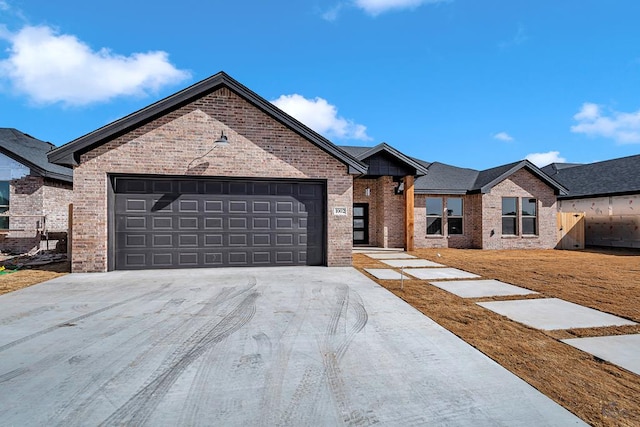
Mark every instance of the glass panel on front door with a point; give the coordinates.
(361, 223)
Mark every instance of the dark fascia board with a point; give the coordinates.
(432, 191)
(68, 154)
(35, 168)
(559, 189)
(383, 146)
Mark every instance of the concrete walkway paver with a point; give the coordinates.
(390, 255)
(440, 273)
(481, 288)
(236, 347)
(398, 263)
(553, 313)
(386, 274)
(621, 350)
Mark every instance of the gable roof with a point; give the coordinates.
(610, 177)
(363, 153)
(447, 179)
(69, 153)
(32, 153)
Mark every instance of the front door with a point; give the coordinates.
(361, 223)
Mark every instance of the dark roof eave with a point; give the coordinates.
(68, 154)
(37, 169)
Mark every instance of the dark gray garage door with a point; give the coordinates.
(182, 223)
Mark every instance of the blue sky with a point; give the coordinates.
(466, 82)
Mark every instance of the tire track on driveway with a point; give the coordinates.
(138, 409)
(334, 348)
(77, 319)
(72, 413)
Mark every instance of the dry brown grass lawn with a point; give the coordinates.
(23, 278)
(598, 392)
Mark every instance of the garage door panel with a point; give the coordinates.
(217, 223)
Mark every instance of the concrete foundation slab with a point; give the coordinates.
(621, 350)
(391, 255)
(439, 273)
(481, 288)
(553, 313)
(411, 263)
(386, 274)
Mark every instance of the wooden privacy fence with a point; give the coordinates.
(570, 230)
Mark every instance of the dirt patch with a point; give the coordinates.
(598, 392)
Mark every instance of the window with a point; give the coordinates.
(4, 204)
(434, 215)
(510, 216)
(454, 215)
(529, 216)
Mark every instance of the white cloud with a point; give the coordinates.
(4, 5)
(376, 7)
(321, 116)
(49, 67)
(624, 128)
(543, 159)
(503, 136)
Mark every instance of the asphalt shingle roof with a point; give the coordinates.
(616, 176)
(32, 153)
(443, 178)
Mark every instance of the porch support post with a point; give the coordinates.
(409, 217)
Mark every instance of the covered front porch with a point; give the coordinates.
(383, 198)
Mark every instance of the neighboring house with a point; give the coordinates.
(34, 193)
(608, 193)
(215, 175)
(508, 207)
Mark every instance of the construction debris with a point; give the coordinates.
(32, 259)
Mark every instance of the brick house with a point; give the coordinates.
(34, 193)
(511, 206)
(215, 175)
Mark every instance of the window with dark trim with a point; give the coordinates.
(434, 215)
(529, 214)
(454, 215)
(4, 204)
(509, 216)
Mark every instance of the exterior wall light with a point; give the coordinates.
(223, 140)
(367, 191)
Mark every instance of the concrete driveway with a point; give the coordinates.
(276, 346)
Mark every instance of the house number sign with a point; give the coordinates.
(339, 211)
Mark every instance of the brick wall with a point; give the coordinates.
(471, 223)
(181, 143)
(25, 199)
(390, 217)
(482, 224)
(520, 184)
(30, 197)
(56, 198)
